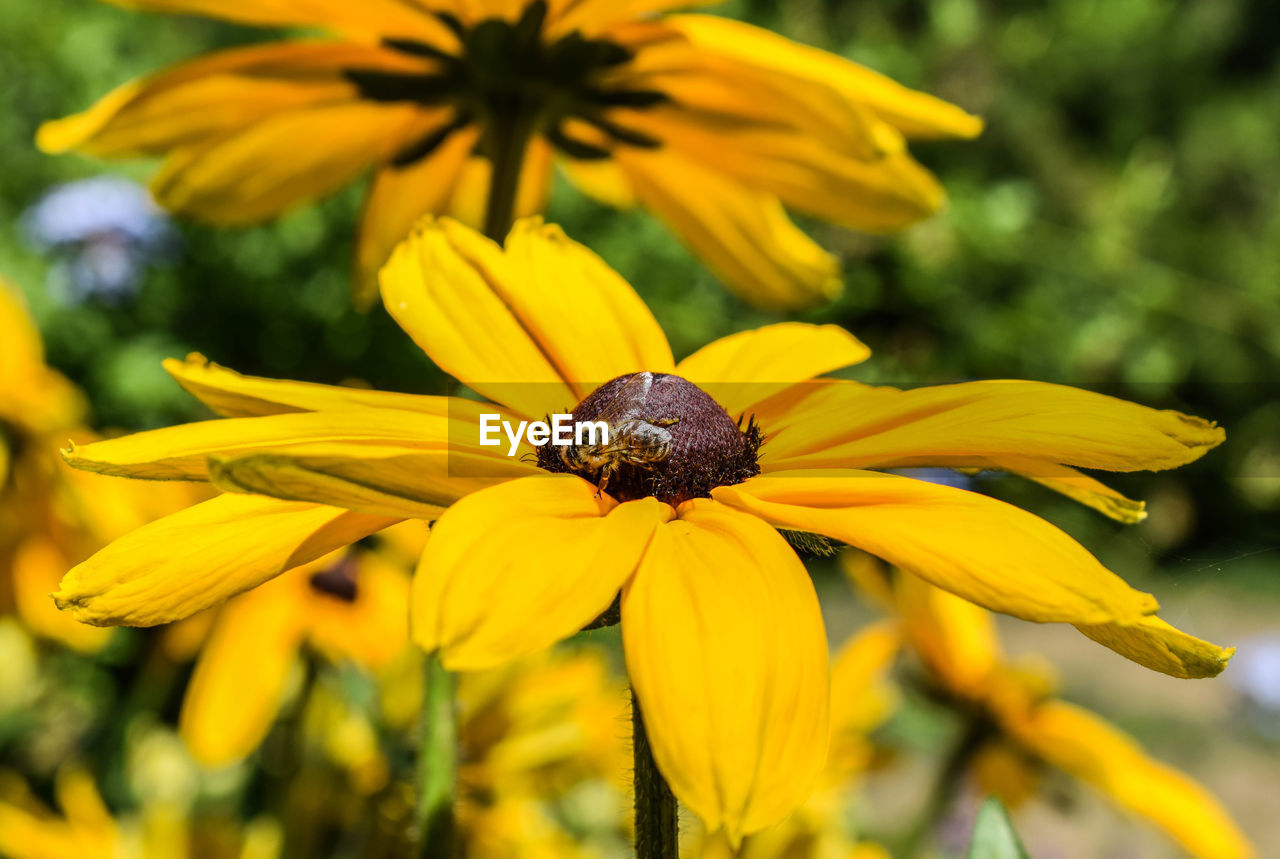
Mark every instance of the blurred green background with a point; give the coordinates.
(1116, 227)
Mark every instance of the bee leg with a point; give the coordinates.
(663, 422)
(605, 473)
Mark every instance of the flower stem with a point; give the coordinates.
(509, 134)
(437, 764)
(656, 824)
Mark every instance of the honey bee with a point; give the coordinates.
(634, 440)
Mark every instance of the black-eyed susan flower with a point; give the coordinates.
(1018, 728)
(711, 124)
(723, 637)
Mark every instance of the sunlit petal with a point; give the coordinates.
(915, 113)
(978, 423)
(216, 95)
(562, 556)
(262, 171)
(981, 549)
(369, 17)
(182, 452)
(235, 395)
(1162, 647)
(742, 233)
(536, 326)
(726, 651)
(188, 561)
(744, 368)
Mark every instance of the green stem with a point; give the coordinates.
(509, 134)
(946, 785)
(656, 824)
(437, 764)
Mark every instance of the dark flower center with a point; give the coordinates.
(338, 581)
(508, 69)
(667, 438)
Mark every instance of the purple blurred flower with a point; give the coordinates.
(1255, 674)
(104, 232)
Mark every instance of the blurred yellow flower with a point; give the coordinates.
(711, 124)
(349, 606)
(50, 518)
(724, 640)
(87, 830)
(532, 732)
(1023, 728)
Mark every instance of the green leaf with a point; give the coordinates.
(993, 835)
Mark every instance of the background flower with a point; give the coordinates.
(461, 108)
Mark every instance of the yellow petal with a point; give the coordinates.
(216, 95)
(281, 162)
(974, 423)
(859, 672)
(953, 637)
(1095, 752)
(403, 485)
(182, 452)
(602, 181)
(536, 327)
(744, 368)
(981, 549)
(563, 555)
(915, 113)
(236, 689)
(596, 16)
(1163, 648)
(398, 197)
(588, 319)
(741, 233)
(188, 561)
(37, 565)
(35, 396)
(880, 195)
(1076, 486)
(234, 395)
(726, 652)
(371, 18)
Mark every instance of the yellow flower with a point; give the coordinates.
(86, 828)
(862, 698)
(723, 637)
(349, 607)
(711, 124)
(530, 733)
(51, 519)
(1025, 727)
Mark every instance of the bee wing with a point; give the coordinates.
(628, 401)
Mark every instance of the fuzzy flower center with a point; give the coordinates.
(667, 438)
(506, 70)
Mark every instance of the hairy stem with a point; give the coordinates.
(656, 825)
(437, 764)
